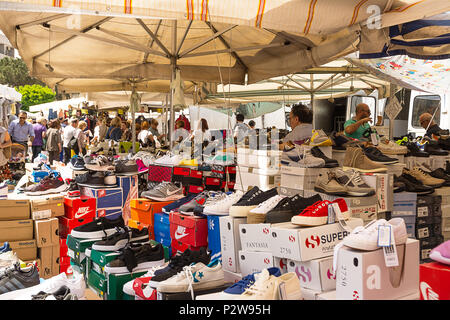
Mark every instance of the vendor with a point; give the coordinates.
(300, 121)
(20, 130)
(425, 119)
(5, 154)
(180, 132)
(358, 125)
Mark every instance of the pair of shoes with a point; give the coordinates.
(250, 200)
(355, 158)
(387, 146)
(304, 157)
(121, 238)
(164, 191)
(317, 214)
(422, 174)
(97, 178)
(53, 183)
(343, 183)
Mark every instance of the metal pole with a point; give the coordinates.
(313, 111)
(133, 124)
(392, 88)
(173, 64)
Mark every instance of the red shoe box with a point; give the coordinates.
(213, 183)
(230, 184)
(193, 189)
(80, 207)
(434, 281)
(178, 246)
(63, 247)
(189, 230)
(139, 285)
(180, 174)
(64, 264)
(66, 225)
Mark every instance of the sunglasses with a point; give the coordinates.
(23, 118)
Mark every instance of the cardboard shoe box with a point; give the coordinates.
(106, 198)
(363, 275)
(80, 207)
(255, 237)
(304, 244)
(300, 178)
(46, 232)
(49, 207)
(251, 262)
(25, 250)
(16, 230)
(230, 242)
(49, 257)
(315, 274)
(434, 281)
(190, 230)
(143, 210)
(14, 210)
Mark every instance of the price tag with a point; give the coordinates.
(374, 138)
(331, 215)
(384, 236)
(43, 214)
(390, 252)
(340, 217)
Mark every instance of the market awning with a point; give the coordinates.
(10, 93)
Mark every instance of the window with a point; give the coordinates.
(370, 101)
(424, 104)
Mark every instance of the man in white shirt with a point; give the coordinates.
(69, 132)
(240, 129)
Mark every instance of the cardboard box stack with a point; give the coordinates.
(444, 192)
(230, 245)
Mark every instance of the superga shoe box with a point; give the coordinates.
(315, 274)
(363, 275)
(252, 261)
(230, 242)
(304, 244)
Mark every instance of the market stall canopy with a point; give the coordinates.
(234, 42)
(10, 93)
(64, 105)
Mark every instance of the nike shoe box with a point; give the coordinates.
(252, 261)
(106, 198)
(143, 210)
(46, 232)
(14, 210)
(363, 275)
(67, 225)
(300, 178)
(47, 207)
(304, 244)
(190, 230)
(130, 190)
(187, 295)
(64, 263)
(230, 242)
(80, 207)
(315, 274)
(193, 189)
(281, 263)
(180, 247)
(214, 236)
(255, 237)
(25, 249)
(434, 281)
(16, 230)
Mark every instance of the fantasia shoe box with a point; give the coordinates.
(187, 295)
(315, 274)
(434, 281)
(255, 237)
(251, 261)
(230, 242)
(363, 275)
(304, 244)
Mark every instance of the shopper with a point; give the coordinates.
(201, 137)
(180, 132)
(154, 129)
(20, 130)
(100, 131)
(358, 125)
(425, 119)
(5, 154)
(240, 129)
(70, 141)
(115, 133)
(144, 134)
(82, 138)
(300, 120)
(54, 141)
(40, 133)
(126, 131)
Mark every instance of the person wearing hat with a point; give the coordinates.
(70, 132)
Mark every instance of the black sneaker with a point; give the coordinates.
(243, 206)
(414, 151)
(98, 228)
(91, 178)
(435, 150)
(414, 185)
(441, 174)
(289, 208)
(399, 186)
(134, 259)
(121, 238)
(329, 163)
(77, 163)
(18, 278)
(60, 294)
(177, 263)
(377, 156)
(126, 167)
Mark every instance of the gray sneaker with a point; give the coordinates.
(165, 191)
(329, 184)
(200, 200)
(355, 185)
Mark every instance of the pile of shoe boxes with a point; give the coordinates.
(187, 232)
(219, 178)
(190, 178)
(444, 192)
(258, 168)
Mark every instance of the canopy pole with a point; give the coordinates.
(392, 88)
(133, 119)
(173, 65)
(313, 111)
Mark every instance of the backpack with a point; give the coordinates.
(187, 124)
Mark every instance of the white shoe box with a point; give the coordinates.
(230, 243)
(363, 275)
(304, 244)
(444, 192)
(289, 192)
(331, 295)
(255, 237)
(264, 179)
(300, 178)
(315, 274)
(259, 158)
(309, 294)
(231, 277)
(396, 168)
(281, 263)
(438, 162)
(251, 262)
(383, 184)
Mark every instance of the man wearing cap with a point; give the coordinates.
(433, 128)
(20, 130)
(69, 132)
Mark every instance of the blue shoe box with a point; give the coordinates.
(214, 237)
(109, 213)
(129, 187)
(162, 226)
(166, 242)
(106, 198)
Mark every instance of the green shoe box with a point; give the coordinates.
(116, 283)
(166, 250)
(97, 283)
(79, 267)
(77, 247)
(99, 259)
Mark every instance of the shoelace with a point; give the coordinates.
(356, 178)
(244, 283)
(258, 287)
(187, 271)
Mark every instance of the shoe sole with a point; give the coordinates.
(309, 221)
(365, 170)
(386, 162)
(369, 246)
(121, 244)
(200, 286)
(140, 267)
(169, 198)
(93, 234)
(62, 188)
(216, 213)
(394, 153)
(360, 194)
(437, 256)
(334, 193)
(297, 165)
(240, 211)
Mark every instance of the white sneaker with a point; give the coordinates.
(366, 238)
(194, 277)
(222, 207)
(299, 156)
(387, 146)
(267, 205)
(7, 259)
(168, 160)
(76, 285)
(128, 288)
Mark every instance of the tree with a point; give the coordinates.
(35, 94)
(14, 72)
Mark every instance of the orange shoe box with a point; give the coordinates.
(139, 225)
(143, 210)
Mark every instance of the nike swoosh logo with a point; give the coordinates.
(169, 193)
(179, 235)
(79, 215)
